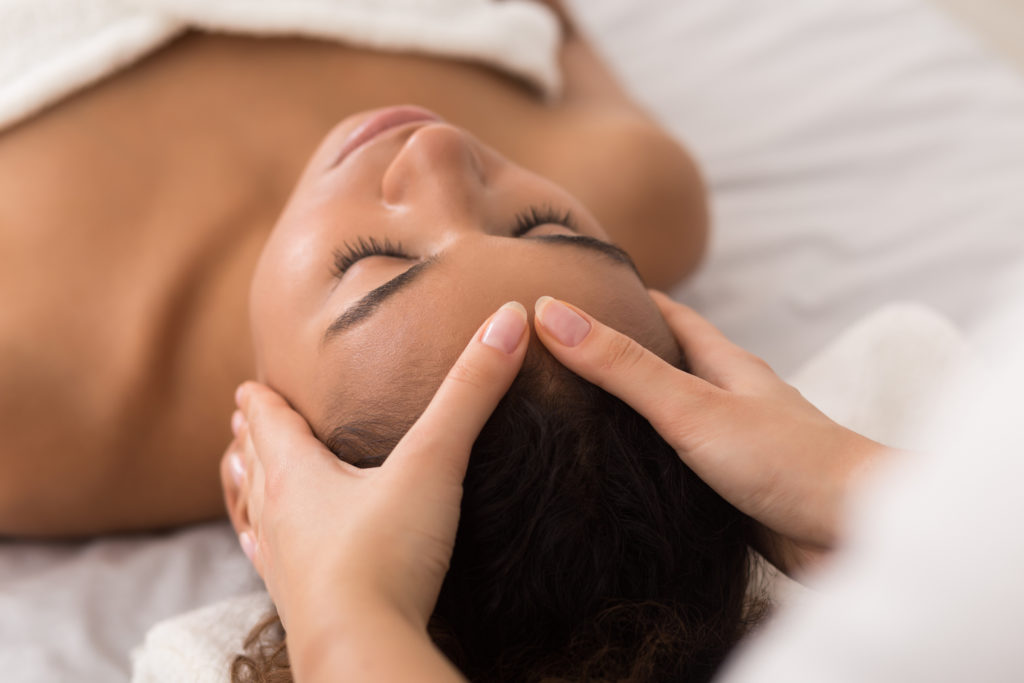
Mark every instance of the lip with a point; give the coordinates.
(377, 123)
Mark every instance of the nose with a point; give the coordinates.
(438, 165)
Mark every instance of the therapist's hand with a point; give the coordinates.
(327, 536)
(749, 435)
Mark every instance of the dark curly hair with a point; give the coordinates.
(586, 549)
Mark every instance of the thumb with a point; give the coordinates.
(445, 432)
(711, 355)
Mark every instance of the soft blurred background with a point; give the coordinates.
(1001, 22)
(858, 152)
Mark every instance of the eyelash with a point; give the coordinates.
(365, 247)
(542, 215)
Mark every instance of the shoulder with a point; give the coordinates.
(638, 180)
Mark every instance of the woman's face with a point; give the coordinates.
(384, 264)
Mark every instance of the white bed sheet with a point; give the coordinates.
(856, 153)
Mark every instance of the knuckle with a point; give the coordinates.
(470, 375)
(691, 421)
(756, 361)
(714, 401)
(225, 470)
(787, 392)
(275, 485)
(620, 355)
(676, 315)
(225, 458)
(263, 403)
(257, 410)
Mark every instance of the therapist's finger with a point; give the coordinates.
(622, 367)
(709, 353)
(445, 432)
(241, 500)
(277, 432)
(281, 455)
(254, 500)
(234, 483)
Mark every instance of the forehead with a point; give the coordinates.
(396, 359)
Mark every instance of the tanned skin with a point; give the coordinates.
(132, 215)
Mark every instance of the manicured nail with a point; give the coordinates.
(506, 328)
(237, 469)
(248, 545)
(237, 422)
(563, 323)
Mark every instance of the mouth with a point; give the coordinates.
(378, 122)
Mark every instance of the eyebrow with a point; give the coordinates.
(372, 300)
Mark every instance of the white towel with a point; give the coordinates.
(199, 646)
(879, 377)
(51, 48)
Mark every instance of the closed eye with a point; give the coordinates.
(365, 247)
(536, 216)
(351, 253)
(373, 299)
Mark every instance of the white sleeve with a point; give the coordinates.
(929, 584)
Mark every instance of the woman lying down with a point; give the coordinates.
(587, 549)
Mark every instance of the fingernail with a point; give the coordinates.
(239, 394)
(506, 328)
(562, 322)
(237, 422)
(237, 469)
(248, 545)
